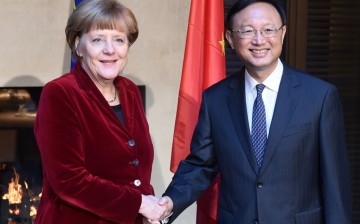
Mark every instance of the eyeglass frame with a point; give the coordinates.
(256, 31)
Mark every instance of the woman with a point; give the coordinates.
(91, 128)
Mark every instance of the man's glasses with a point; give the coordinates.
(249, 32)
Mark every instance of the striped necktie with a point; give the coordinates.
(258, 135)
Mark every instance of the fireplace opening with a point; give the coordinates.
(20, 161)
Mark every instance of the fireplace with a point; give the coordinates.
(20, 160)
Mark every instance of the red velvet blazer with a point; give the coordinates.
(94, 168)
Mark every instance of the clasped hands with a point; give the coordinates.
(155, 210)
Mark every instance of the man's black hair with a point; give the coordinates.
(241, 4)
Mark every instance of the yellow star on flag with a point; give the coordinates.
(222, 43)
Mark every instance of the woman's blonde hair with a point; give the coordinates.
(100, 14)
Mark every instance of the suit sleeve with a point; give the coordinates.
(194, 174)
(334, 165)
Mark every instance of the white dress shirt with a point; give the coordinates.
(269, 94)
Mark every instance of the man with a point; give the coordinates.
(293, 167)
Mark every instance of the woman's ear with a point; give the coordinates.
(77, 42)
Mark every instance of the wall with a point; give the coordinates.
(34, 51)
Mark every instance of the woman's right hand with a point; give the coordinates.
(151, 209)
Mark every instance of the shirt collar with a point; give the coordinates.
(272, 81)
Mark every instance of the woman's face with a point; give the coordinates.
(103, 53)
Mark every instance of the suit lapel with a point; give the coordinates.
(237, 107)
(286, 102)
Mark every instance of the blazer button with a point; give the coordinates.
(131, 142)
(260, 185)
(135, 162)
(137, 182)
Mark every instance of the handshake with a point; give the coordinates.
(155, 210)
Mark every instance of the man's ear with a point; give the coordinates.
(283, 34)
(229, 38)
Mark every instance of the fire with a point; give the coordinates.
(33, 211)
(15, 193)
(22, 202)
(15, 211)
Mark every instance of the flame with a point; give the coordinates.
(14, 194)
(33, 211)
(15, 211)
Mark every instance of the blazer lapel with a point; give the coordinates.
(286, 102)
(237, 106)
(127, 99)
(89, 87)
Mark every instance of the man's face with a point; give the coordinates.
(259, 54)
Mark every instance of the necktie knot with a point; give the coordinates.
(260, 88)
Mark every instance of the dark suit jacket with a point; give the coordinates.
(90, 160)
(305, 174)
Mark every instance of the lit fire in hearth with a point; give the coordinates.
(20, 201)
(15, 193)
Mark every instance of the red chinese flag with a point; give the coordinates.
(204, 65)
